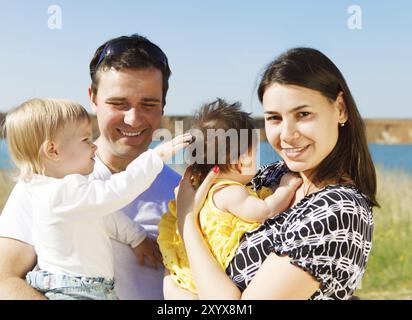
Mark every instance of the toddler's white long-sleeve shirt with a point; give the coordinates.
(74, 218)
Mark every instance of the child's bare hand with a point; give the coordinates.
(166, 150)
(147, 252)
(291, 180)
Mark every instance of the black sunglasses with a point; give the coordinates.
(133, 42)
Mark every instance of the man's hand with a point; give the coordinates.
(147, 253)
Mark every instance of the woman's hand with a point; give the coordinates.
(211, 280)
(188, 204)
(189, 201)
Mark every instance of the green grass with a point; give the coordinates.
(389, 272)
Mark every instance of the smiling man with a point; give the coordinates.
(130, 78)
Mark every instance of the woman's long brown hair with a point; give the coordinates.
(350, 160)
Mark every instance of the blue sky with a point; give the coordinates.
(215, 48)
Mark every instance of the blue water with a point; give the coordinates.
(4, 156)
(387, 156)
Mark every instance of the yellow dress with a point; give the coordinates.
(221, 229)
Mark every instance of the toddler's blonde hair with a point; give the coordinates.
(34, 122)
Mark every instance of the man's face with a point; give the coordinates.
(129, 107)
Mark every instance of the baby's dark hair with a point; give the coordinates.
(213, 126)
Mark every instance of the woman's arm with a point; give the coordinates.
(172, 291)
(276, 278)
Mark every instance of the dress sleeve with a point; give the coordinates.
(269, 175)
(329, 236)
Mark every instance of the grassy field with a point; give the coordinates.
(389, 272)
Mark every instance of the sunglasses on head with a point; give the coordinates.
(133, 42)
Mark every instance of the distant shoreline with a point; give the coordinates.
(379, 131)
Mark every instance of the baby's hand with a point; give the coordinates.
(291, 180)
(168, 149)
(147, 252)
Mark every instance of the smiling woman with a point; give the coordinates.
(305, 78)
(319, 247)
(302, 126)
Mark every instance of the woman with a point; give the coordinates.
(319, 247)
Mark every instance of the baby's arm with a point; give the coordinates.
(75, 196)
(123, 229)
(237, 200)
(283, 195)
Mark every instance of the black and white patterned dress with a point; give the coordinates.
(328, 234)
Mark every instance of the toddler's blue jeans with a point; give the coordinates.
(65, 287)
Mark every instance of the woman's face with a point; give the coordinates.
(302, 125)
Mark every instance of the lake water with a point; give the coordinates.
(388, 156)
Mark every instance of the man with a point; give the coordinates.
(128, 91)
